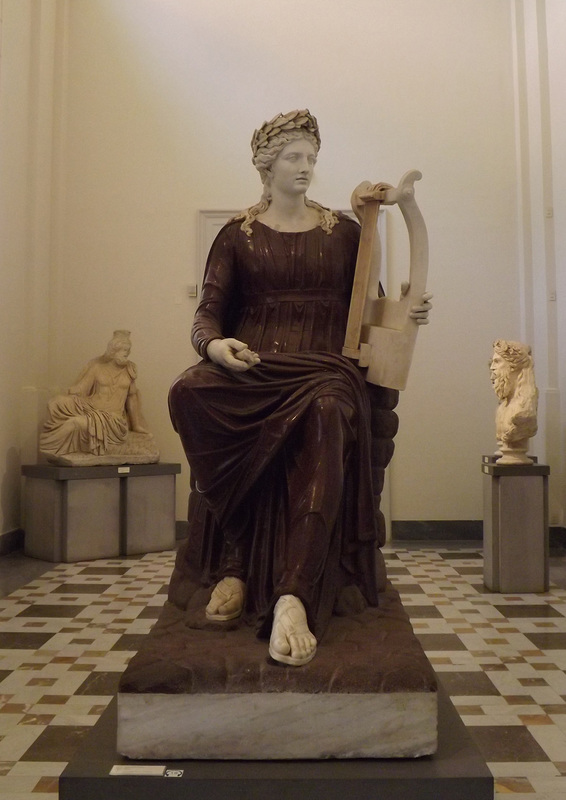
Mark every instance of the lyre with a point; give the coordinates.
(380, 334)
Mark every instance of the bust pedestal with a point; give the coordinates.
(515, 526)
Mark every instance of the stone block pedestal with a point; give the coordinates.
(515, 527)
(83, 513)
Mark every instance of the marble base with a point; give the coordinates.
(277, 726)
(137, 448)
(212, 692)
(456, 770)
(107, 460)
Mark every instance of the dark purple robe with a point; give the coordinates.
(287, 458)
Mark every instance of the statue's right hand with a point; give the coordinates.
(232, 354)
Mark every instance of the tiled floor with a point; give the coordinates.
(67, 634)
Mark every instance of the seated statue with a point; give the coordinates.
(286, 442)
(512, 375)
(99, 420)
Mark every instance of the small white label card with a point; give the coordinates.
(138, 769)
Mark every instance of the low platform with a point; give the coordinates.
(198, 689)
(82, 513)
(457, 770)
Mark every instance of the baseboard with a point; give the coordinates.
(402, 530)
(456, 529)
(437, 530)
(557, 537)
(181, 529)
(412, 530)
(11, 540)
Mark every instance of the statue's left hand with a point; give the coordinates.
(418, 313)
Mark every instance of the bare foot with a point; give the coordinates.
(227, 600)
(291, 641)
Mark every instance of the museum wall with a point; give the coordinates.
(539, 67)
(16, 297)
(13, 74)
(154, 105)
(556, 238)
(27, 107)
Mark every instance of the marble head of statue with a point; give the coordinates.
(267, 143)
(268, 140)
(118, 348)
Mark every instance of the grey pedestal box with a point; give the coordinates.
(83, 513)
(515, 527)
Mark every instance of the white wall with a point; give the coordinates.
(540, 83)
(28, 101)
(556, 26)
(14, 177)
(155, 104)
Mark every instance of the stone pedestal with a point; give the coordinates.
(515, 527)
(210, 691)
(82, 513)
(456, 770)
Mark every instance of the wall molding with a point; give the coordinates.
(437, 530)
(456, 530)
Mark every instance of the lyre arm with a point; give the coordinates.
(404, 196)
(369, 238)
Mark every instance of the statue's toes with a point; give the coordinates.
(226, 601)
(280, 644)
(230, 605)
(213, 605)
(302, 646)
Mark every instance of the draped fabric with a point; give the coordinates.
(76, 426)
(285, 470)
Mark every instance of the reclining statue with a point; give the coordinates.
(99, 420)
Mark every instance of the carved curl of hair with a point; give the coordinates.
(267, 142)
(516, 353)
(519, 359)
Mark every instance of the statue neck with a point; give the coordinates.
(290, 214)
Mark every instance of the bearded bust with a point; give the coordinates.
(512, 375)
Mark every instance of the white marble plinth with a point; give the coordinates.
(278, 725)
